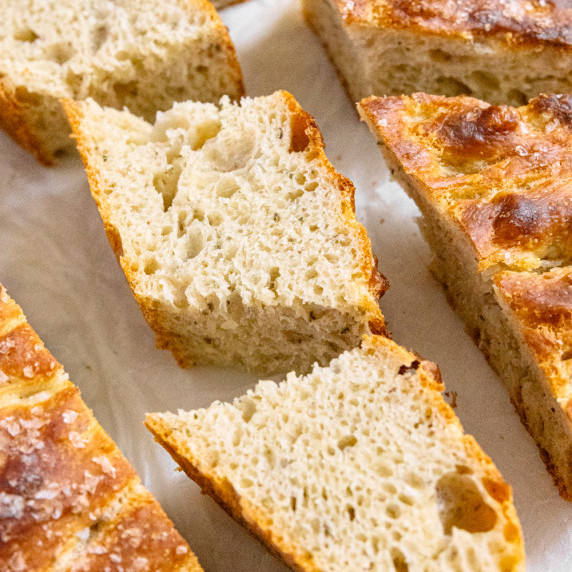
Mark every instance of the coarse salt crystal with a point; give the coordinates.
(105, 465)
(181, 549)
(3, 377)
(69, 415)
(28, 371)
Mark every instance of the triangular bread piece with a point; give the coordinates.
(360, 465)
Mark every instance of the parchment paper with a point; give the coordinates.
(57, 264)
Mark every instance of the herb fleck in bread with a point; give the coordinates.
(357, 466)
(494, 185)
(503, 52)
(139, 54)
(68, 497)
(237, 236)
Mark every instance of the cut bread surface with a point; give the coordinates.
(503, 52)
(357, 466)
(139, 54)
(69, 500)
(494, 185)
(236, 234)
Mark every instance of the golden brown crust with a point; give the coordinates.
(542, 304)
(14, 121)
(504, 174)
(64, 486)
(513, 22)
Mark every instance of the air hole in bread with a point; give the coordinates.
(151, 266)
(452, 86)
(461, 505)
(25, 35)
(485, 80)
(347, 441)
(167, 183)
(124, 90)
(196, 241)
(566, 355)
(440, 56)
(399, 560)
(248, 407)
(518, 96)
(99, 37)
(226, 187)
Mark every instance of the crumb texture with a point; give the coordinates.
(139, 54)
(495, 186)
(69, 500)
(360, 465)
(236, 234)
(499, 51)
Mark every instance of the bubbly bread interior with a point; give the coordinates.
(357, 466)
(139, 54)
(69, 500)
(237, 236)
(378, 59)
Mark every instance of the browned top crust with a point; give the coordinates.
(503, 174)
(542, 303)
(515, 22)
(67, 494)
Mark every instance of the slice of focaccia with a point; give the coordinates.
(69, 500)
(504, 52)
(494, 185)
(237, 236)
(360, 465)
(139, 54)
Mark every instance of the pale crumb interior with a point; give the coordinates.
(356, 464)
(377, 61)
(234, 234)
(139, 54)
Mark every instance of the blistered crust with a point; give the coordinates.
(513, 22)
(542, 304)
(66, 491)
(504, 174)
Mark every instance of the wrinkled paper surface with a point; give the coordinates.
(56, 262)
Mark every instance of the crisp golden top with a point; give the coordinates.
(67, 494)
(504, 177)
(542, 303)
(504, 174)
(511, 21)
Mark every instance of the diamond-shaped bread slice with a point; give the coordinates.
(139, 54)
(504, 52)
(236, 234)
(69, 500)
(360, 465)
(494, 185)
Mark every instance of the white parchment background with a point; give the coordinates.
(55, 261)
